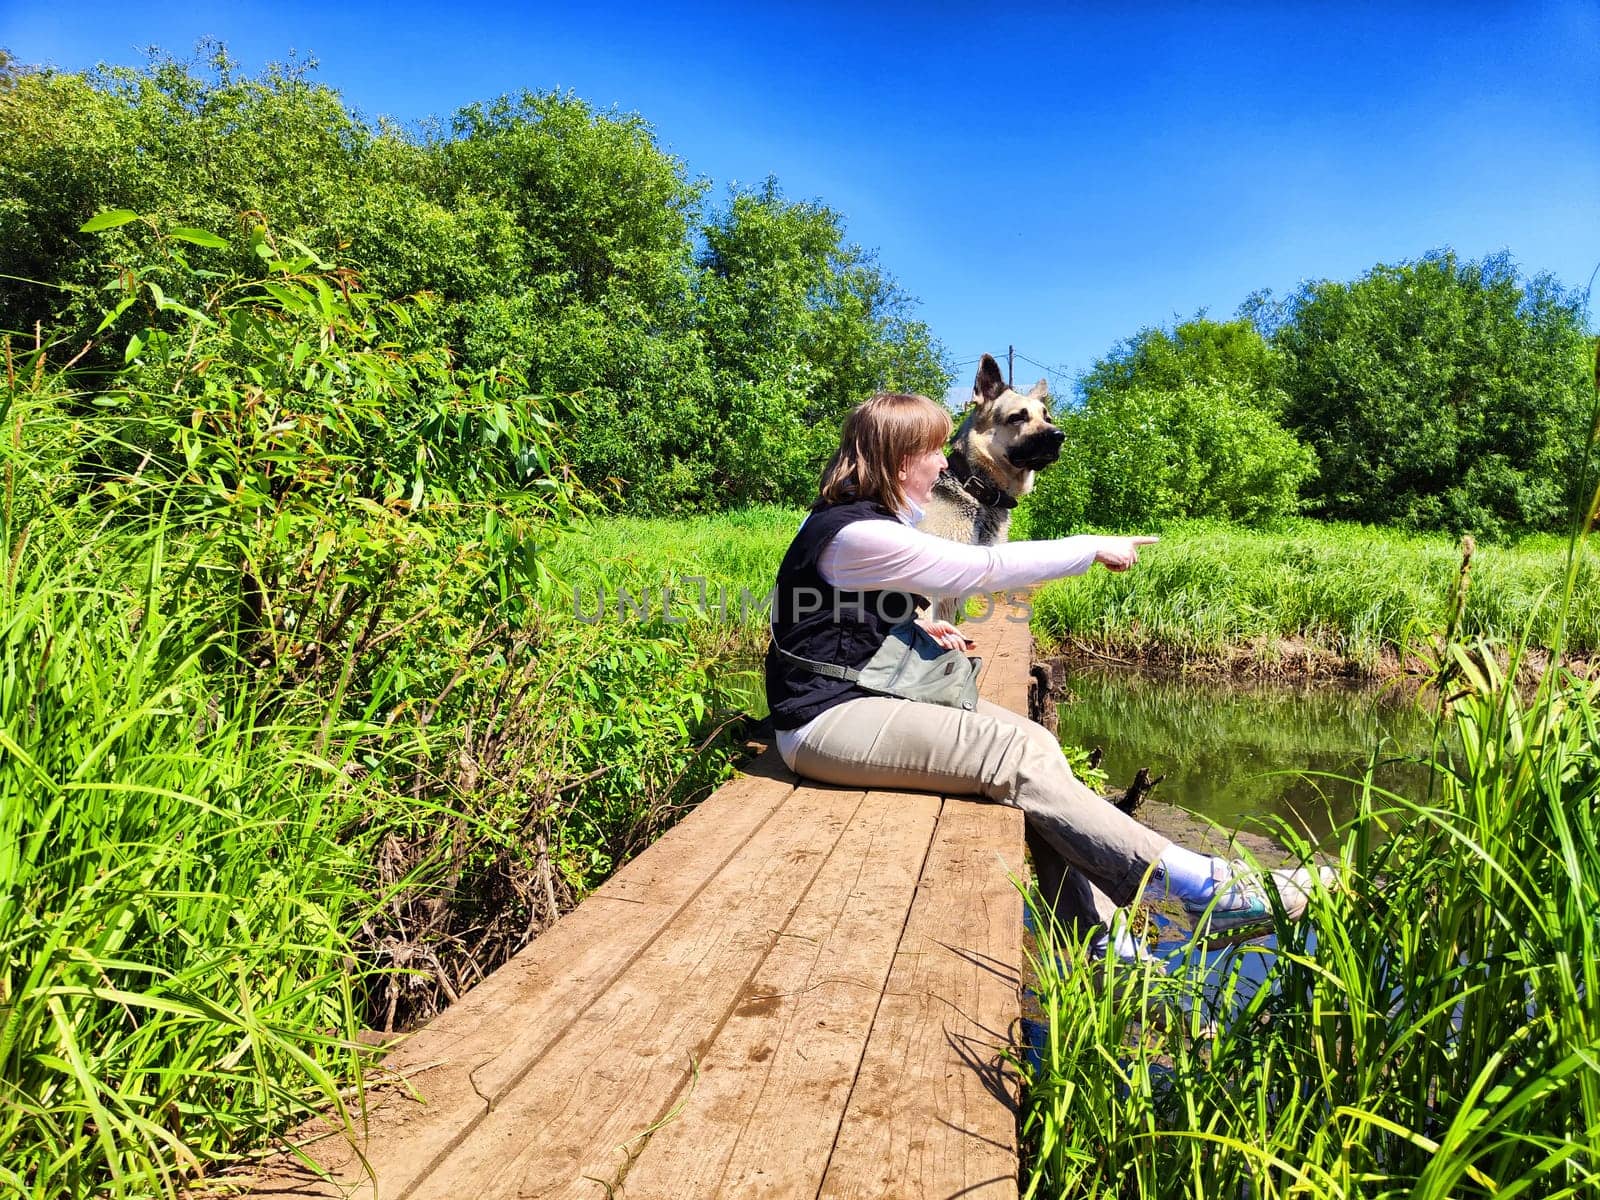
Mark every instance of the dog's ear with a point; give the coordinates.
(989, 384)
(1040, 390)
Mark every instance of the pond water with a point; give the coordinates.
(1247, 755)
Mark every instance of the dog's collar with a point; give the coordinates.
(981, 488)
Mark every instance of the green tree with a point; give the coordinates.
(1439, 394)
(601, 210)
(598, 306)
(197, 144)
(1139, 455)
(1196, 351)
(800, 325)
(691, 364)
(1179, 423)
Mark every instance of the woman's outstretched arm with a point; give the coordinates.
(879, 554)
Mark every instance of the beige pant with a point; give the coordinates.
(1089, 855)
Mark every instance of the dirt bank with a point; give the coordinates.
(1290, 659)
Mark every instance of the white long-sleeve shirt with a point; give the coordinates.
(869, 555)
(891, 554)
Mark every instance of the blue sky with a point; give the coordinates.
(1050, 176)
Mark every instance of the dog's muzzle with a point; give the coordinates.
(1037, 450)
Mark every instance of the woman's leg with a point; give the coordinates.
(881, 742)
(1077, 904)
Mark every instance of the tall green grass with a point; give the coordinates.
(270, 786)
(720, 569)
(211, 885)
(1430, 1027)
(733, 549)
(179, 877)
(1351, 592)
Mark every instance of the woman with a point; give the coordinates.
(856, 570)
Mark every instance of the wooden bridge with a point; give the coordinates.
(797, 991)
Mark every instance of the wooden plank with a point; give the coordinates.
(761, 1119)
(1006, 645)
(626, 1059)
(466, 1059)
(933, 1110)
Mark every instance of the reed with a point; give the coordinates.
(1429, 1028)
(175, 892)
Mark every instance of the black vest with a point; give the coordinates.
(815, 620)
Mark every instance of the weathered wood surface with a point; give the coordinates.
(635, 1051)
(761, 1116)
(1006, 647)
(463, 1062)
(797, 991)
(933, 1109)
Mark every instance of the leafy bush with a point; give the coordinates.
(291, 747)
(1139, 456)
(1439, 394)
(1174, 424)
(1195, 351)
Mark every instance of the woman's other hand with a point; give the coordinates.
(947, 635)
(1118, 554)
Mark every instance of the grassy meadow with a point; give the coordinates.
(1352, 594)
(1346, 596)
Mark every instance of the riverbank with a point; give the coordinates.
(1363, 1049)
(1249, 754)
(1316, 599)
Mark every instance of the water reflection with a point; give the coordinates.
(1240, 752)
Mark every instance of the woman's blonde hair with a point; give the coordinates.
(879, 435)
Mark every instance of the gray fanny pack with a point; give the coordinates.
(910, 665)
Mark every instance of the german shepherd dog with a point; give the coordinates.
(1005, 439)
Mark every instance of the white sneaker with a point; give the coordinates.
(1240, 896)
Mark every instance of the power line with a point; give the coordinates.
(1055, 374)
(1060, 376)
(1058, 369)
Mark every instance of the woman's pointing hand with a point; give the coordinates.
(1118, 554)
